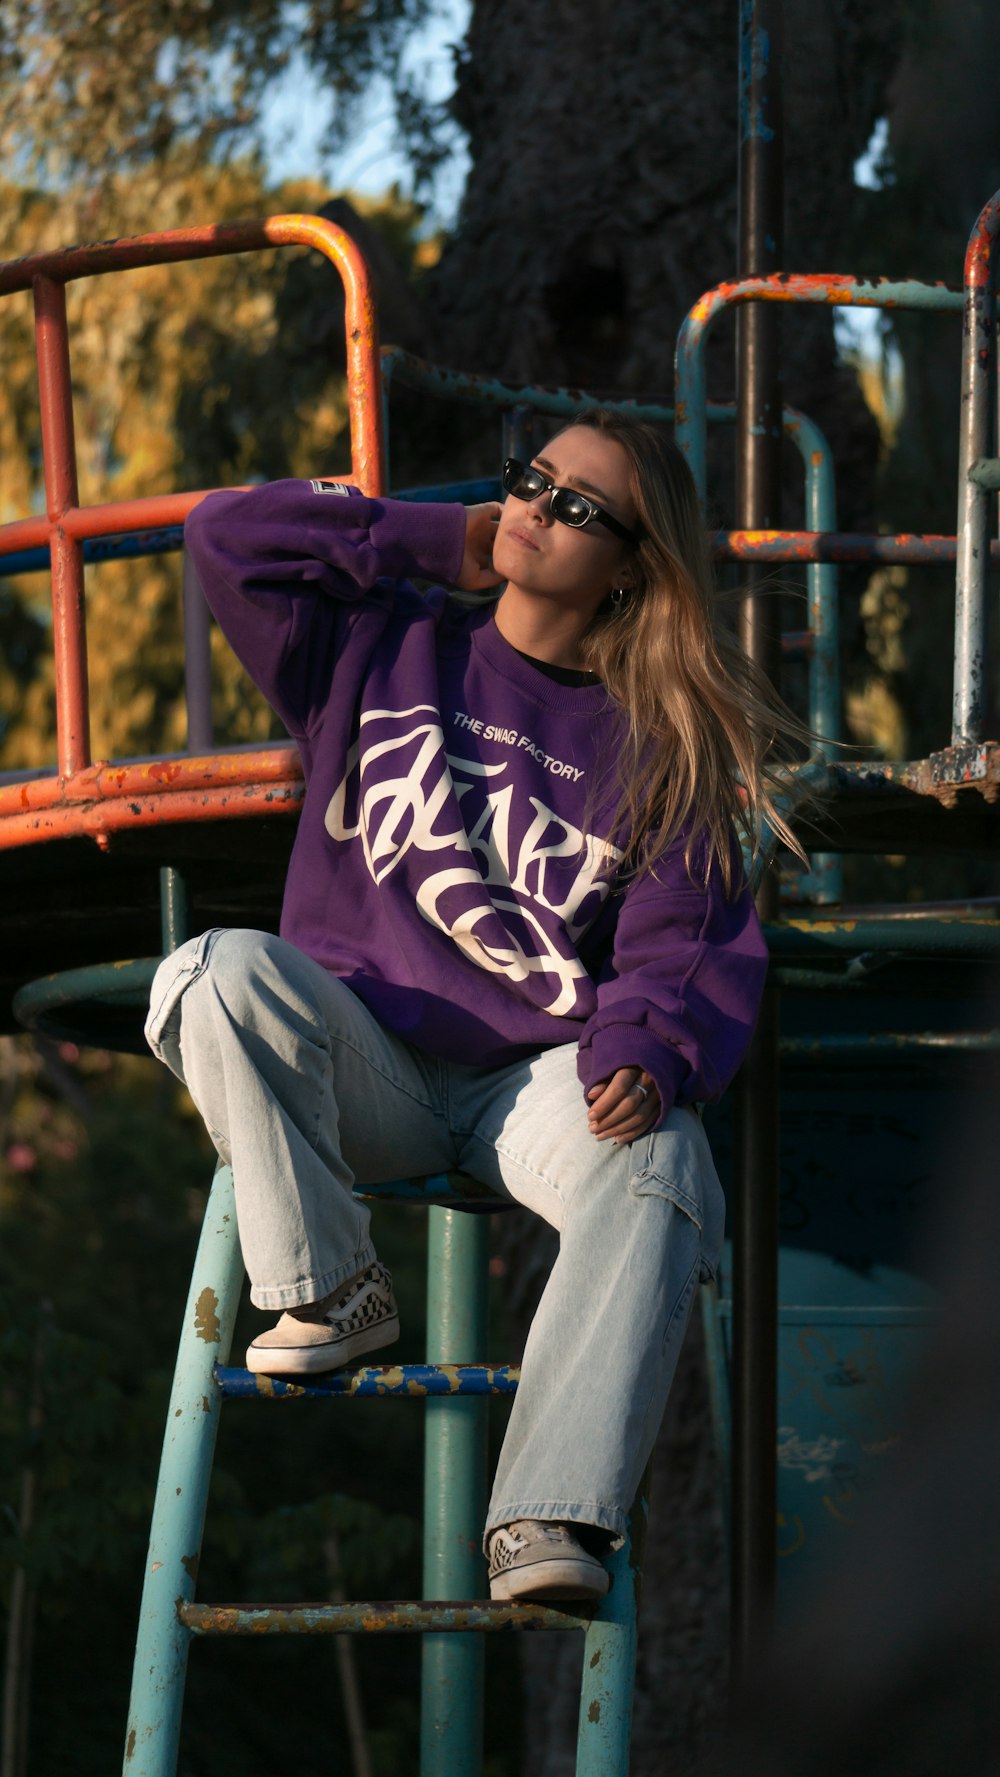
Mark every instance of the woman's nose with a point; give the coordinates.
(541, 505)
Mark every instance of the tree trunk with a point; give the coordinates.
(601, 199)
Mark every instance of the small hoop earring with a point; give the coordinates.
(618, 597)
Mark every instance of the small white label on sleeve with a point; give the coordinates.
(329, 487)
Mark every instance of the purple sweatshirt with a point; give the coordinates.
(450, 861)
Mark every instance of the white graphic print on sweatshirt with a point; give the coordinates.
(505, 880)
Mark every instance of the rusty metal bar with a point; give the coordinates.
(928, 549)
(59, 450)
(242, 786)
(826, 288)
(215, 240)
(130, 517)
(976, 474)
(66, 525)
(115, 517)
(386, 1618)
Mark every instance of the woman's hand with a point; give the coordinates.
(624, 1107)
(476, 573)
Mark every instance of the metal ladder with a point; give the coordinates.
(455, 1391)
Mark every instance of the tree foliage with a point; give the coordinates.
(88, 88)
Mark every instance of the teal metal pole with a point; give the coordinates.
(182, 1490)
(609, 1654)
(454, 1494)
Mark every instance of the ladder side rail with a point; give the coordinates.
(163, 1638)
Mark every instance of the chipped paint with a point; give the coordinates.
(824, 288)
(206, 1316)
(373, 1380)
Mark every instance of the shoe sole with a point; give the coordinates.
(559, 1580)
(316, 1360)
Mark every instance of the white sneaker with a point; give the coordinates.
(360, 1316)
(535, 1559)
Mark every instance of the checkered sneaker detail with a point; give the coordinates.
(358, 1317)
(532, 1558)
(361, 1302)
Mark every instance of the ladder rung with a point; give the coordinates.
(373, 1379)
(393, 1619)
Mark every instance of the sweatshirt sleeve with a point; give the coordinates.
(680, 994)
(271, 559)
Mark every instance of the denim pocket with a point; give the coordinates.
(172, 979)
(678, 1166)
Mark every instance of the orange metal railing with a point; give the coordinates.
(83, 797)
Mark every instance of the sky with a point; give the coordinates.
(299, 110)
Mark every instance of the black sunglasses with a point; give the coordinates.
(565, 503)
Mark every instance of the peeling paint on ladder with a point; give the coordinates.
(206, 1318)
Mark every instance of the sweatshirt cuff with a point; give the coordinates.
(419, 538)
(629, 1045)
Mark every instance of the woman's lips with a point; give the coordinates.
(522, 537)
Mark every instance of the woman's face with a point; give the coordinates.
(537, 554)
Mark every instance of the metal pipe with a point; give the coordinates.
(197, 662)
(451, 1715)
(761, 244)
(173, 909)
(213, 241)
(175, 1536)
(827, 288)
(976, 447)
(928, 549)
(758, 495)
(59, 452)
(404, 1618)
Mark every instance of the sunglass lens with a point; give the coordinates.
(524, 484)
(570, 507)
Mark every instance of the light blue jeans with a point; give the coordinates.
(305, 1094)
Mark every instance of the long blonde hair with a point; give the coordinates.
(705, 731)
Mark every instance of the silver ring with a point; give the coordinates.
(642, 1090)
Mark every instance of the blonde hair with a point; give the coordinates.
(705, 731)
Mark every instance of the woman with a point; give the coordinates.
(516, 939)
